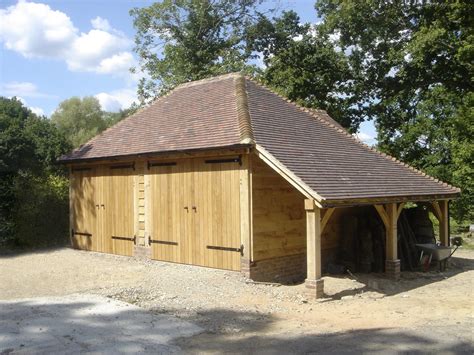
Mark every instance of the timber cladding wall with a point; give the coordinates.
(279, 228)
(279, 220)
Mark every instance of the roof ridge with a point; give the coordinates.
(347, 134)
(243, 113)
(206, 80)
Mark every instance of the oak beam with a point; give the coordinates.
(383, 215)
(400, 209)
(436, 209)
(326, 216)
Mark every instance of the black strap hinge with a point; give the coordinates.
(239, 250)
(134, 239)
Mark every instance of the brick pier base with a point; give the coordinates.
(141, 252)
(314, 288)
(392, 269)
(285, 269)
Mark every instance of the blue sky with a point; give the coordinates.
(53, 50)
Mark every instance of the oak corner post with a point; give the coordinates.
(246, 214)
(314, 283)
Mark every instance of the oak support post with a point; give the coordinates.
(314, 283)
(443, 223)
(389, 214)
(246, 215)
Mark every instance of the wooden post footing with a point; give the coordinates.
(314, 288)
(392, 269)
(245, 266)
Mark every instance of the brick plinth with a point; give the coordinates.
(141, 252)
(314, 288)
(392, 269)
(285, 269)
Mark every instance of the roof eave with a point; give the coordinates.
(388, 199)
(146, 155)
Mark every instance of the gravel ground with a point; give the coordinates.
(421, 313)
(85, 323)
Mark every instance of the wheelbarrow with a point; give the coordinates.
(439, 253)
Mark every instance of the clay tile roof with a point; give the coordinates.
(231, 111)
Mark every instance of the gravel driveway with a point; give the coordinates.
(422, 313)
(86, 323)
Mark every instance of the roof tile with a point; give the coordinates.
(230, 110)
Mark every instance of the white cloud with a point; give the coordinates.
(365, 137)
(100, 23)
(90, 50)
(117, 100)
(22, 89)
(117, 63)
(37, 110)
(37, 31)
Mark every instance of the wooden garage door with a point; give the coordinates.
(217, 225)
(170, 190)
(84, 189)
(194, 212)
(118, 209)
(102, 209)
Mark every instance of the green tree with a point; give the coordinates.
(305, 66)
(79, 119)
(33, 189)
(415, 80)
(112, 118)
(184, 40)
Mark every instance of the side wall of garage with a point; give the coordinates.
(279, 229)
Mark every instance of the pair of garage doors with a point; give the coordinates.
(195, 212)
(102, 207)
(192, 214)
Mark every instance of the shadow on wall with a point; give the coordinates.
(95, 324)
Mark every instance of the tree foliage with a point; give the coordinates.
(304, 65)
(33, 190)
(415, 61)
(79, 119)
(184, 40)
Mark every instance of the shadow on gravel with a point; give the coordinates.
(246, 333)
(409, 280)
(86, 323)
(8, 252)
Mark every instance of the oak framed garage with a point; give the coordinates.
(225, 173)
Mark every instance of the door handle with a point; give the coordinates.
(97, 206)
(195, 208)
(186, 208)
(103, 206)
